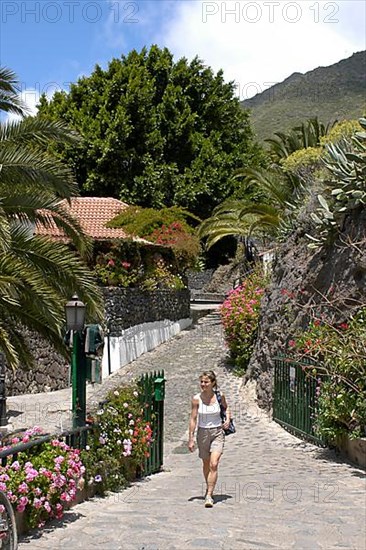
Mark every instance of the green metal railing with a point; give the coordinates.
(152, 394)
(152, 391)
(76, 438)
(294, 398)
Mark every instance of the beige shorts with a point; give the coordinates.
(210, 440)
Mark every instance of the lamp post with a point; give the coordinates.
(3, 419)
(75, 319)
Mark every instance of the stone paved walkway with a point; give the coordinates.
(274, 491)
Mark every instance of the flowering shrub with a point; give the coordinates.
(186, 246)
(45, 477)
(120, 442)
(338, 354)
(159, 275)
(111, 271)
(239, 314)
(42, 479)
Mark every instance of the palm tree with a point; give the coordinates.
(308, 134)
(37, 275)
(276, 194)
(249, 217)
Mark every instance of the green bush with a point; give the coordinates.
(46, 477)
(166, 227)
(339, 363)
(41, 480)
(120, 441)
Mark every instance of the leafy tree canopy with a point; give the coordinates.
(156, 132)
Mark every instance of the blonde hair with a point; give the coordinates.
(211, 375)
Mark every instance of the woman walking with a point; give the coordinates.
(206, 411)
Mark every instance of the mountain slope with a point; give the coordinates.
(336, 92)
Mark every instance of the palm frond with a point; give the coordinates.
(10, 101)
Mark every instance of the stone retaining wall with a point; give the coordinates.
(129, 307)
(124, 308)
(197, 280)
(50, 371)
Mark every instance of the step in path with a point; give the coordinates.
(274, 491)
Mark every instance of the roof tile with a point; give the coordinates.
(92, 213)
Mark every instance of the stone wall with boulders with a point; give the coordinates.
(218, 281)
(124, 308)
(333, 278)
(50, 370)
(127, 307)
(197, 280)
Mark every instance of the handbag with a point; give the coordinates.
(231, 429)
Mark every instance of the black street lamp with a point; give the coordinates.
(75, 314)
(75, 320)
(3, 419)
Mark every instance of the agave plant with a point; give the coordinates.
(345, 188)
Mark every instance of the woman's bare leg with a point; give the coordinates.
(206, 470)
(213, 472)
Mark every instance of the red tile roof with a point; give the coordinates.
(92, 213)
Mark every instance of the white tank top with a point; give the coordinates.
(208, 415)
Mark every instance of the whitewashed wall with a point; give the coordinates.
(136, 340)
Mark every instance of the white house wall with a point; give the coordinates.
(137, 340)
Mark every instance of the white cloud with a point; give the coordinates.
(260, 43)
(30, 97)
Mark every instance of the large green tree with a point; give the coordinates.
(155, 132)
(37, 275)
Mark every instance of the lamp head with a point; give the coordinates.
(75, 314)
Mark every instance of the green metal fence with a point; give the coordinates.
(152, 391)
(76, 437)
(294, 399)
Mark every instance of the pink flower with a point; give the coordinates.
(23, 501)
(37, 503)
(47, 506)
(23, 488)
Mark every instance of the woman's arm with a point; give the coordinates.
(192, 424)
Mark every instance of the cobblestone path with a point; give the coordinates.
(274, 491)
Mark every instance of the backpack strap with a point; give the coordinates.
(222, 410)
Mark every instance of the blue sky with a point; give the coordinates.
(51, 43)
